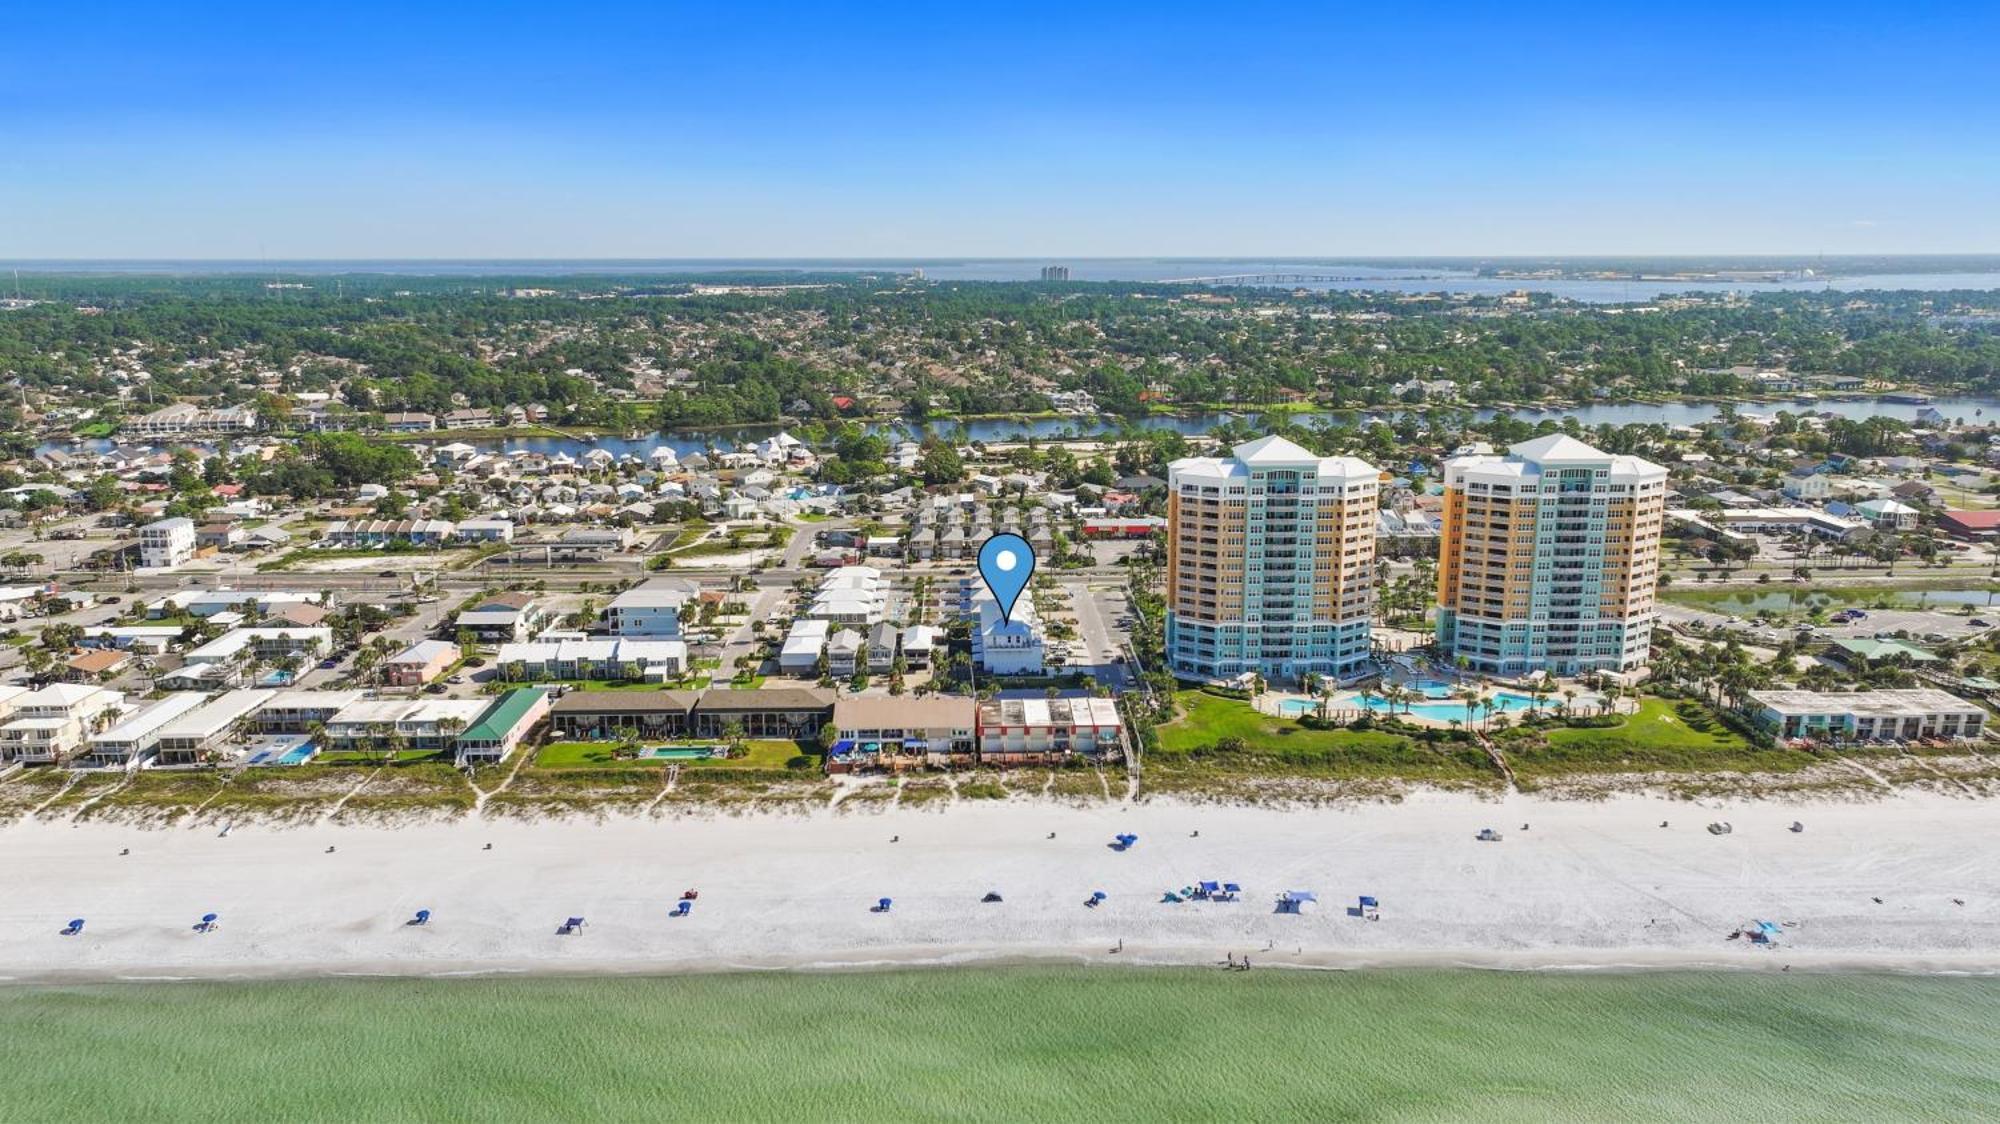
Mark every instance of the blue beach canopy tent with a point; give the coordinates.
(1230, 890)
(1295, 901)
(1368, 902)
(1207, 889)
(570, 927)
(75, 926)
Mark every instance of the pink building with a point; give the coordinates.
(420, 663)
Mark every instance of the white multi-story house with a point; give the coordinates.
(650, 610)
(166, 543)
(50, 725)
(1003, 645)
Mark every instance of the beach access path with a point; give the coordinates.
(1589, 884)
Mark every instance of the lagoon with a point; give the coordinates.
(1965, 410)
(1751, 601)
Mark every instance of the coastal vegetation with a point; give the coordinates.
(1218, 743)
(1661, 736)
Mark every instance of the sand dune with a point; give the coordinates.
(1590, 885)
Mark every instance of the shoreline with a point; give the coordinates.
(1593, 887)
(1135, 959)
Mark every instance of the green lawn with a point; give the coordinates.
(1664, 736)
(1281, 745)
(763, 754)
(374, 757)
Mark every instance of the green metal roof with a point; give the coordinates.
(1886, 648)
(501, 717)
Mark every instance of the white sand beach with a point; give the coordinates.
(1590, 885)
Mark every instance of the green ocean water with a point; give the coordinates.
(1012, 1044)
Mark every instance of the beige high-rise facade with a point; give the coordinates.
(1270, 553)
(1549, 558)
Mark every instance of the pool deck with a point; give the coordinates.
(1343, 705)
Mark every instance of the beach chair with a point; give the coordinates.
(682, 908)
(75, 926)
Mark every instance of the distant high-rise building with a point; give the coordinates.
(1549, 558)
(1055, 273)
(1270, 557)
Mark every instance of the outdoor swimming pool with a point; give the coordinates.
(297, 755)
(683, 752)
(1504, 702)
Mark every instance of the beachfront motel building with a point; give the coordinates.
(1270, 556)
(1549, 558)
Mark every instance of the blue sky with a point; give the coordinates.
(718, 130)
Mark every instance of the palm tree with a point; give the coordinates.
(393, 745)
(448, 729)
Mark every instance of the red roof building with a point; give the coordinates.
(1970, 524)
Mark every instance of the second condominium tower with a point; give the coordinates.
(1549, 558)
(1270, 553)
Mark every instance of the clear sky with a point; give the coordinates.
(360, 129)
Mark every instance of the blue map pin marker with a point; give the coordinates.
(1006, 562)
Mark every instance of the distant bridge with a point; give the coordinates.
(1276, 279)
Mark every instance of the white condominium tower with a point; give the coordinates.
(1549, 558)
(1270, 554)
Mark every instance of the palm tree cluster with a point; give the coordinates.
(1722, 675)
